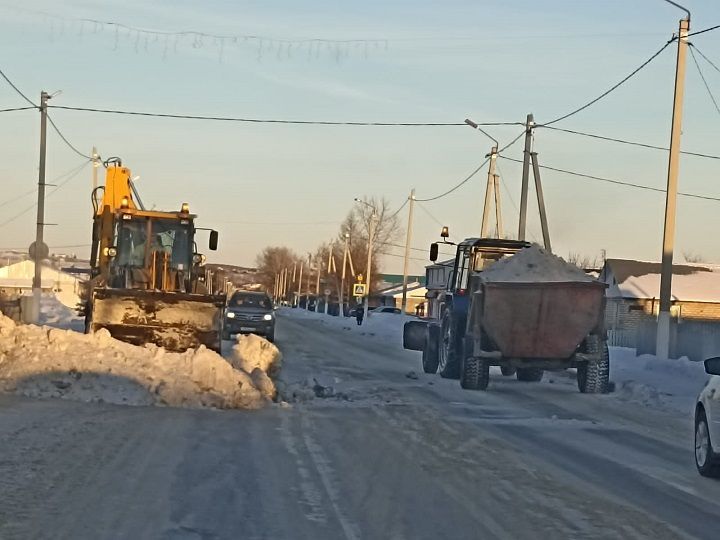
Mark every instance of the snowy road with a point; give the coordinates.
(401, 458)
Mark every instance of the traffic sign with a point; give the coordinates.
(359, 289)
(41, 254)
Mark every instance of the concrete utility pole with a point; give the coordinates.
(371, 239)
(299, 283)
(662, 345)
(408, 239)
(96, 164)
(307, 296)
(489, 189)
(541, 202)
(529, 123)
(498, 207)
(317, 283)
(39, 251)
(342, 279)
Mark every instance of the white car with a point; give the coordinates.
(707, 423)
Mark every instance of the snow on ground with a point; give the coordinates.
(671, 385)
(386, 327)
(55, 363)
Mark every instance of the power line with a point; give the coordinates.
(398, 210)
(448, 192)
(508, 145)
(70, 176)
(703, 31)
(17, 90)
(273, 121)
(625, 141)
(617, 182)
(612, 88)
(68, 143)
(18, 197)
(436, 220)
(702, 76)
(705, 57)
(17, 109)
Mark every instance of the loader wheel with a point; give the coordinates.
(529, 374)
(507, 371)
(594, 377)
(475, 373)
(450, 346)
(430, 353)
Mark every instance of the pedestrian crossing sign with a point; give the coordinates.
(359, 289)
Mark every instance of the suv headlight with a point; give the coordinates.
(230, 315)
(268, 317)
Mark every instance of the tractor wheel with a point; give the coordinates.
(594, 377)
(430, 353)
(450, 344)
(475, 373)
(507, 371)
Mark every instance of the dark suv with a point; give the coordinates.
(249, 313)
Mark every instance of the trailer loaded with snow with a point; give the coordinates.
(516, 306)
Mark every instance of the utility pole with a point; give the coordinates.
(342, 279)
(541, 202)
(371, 239)
(662, 345)
(317, 283)
(490, 187)
(408, 239)
(299, 283)
(96, 164)
(498, 207)
(307, 296)
(529, 123)
(40, 251)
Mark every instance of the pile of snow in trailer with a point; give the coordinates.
(534, 264)
(48, 362)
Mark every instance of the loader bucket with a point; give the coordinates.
(173, 320)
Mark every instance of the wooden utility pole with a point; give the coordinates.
(662, 345)
(408, 239)
(341, 291)
(498, 207)
(371, 239)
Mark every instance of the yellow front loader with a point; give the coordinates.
(146, 284)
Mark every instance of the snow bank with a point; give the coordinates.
(54, 313)
(534, 264)
(49, 362)
(666, 384)
(252, 352)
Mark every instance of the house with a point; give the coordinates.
(17, 279)
(633, 295)
(393, 296)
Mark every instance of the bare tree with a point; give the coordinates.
(357, 226)
(583, 261)
(271, 261)
(693, 257)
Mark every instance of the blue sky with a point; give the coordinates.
(433, 62)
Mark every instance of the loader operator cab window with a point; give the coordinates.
(131, 243)
(173, 239)
(463, 272)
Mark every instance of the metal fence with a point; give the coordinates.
(696, 340)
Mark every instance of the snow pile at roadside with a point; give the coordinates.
(534, 264)
(49, 362)
(665, 384)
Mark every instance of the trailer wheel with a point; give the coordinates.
(475, 373)
(594, 377)
(507, 371)
(430, 353)
(529, 374)
(450, 345)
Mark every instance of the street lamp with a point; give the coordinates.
(371, 237)
(492, 190)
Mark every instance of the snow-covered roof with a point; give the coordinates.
(691, 282)
(413, 287)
